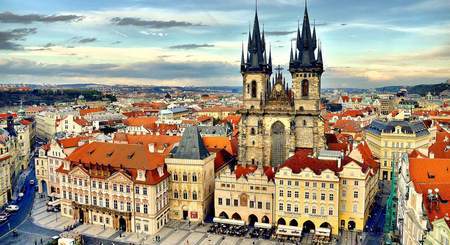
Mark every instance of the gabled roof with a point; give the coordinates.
(72, 142)
(84, 112)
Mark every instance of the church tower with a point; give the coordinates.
(255, 68)
(275, 119)
(306, 70)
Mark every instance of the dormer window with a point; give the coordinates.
(141, 175)
(160, 171)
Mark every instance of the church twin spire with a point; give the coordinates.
(256, 51)
(302, 57)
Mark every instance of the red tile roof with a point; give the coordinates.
(84, 112)
(347, 126)
(72, 142)
(81, 121)
(4, 116)
(146, 122)
(243, 171)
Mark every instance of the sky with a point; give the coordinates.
(198, 42)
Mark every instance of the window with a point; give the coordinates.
(128, 189)
(289, 183)
(106, 186)
(344, 182)
(344, 193)
(100, 185)
(260, 205)
(296, 183)
(281, 182)
(306, 195)
(314, 184)
(289, 194)
(313, 210)
(107, 202)
(185, 195)
(280, 206)
(220, 201)
(128, 207)
(115, 204)
(323, 185)
(253, 89)
(64, 194)
(355, 208)
(268, 205)
(305, 87)
(94, 183)
(144, 190)
(76, 197)
(314, 196)
(281, 193)
(228, 201)
(94, 200)
(136, 189)
(306, 210)
(185, 178)
(175, 194)
(175, 177)
(252, 204)
(355, 194)
(331, 196)
(138, 207)
(86, 199)
(322, 196)
(296, 194)
(145, 208)
(288, 207)
(331, 185)
(307, 184)
(296, 208)
(194, 177)
(194, 195)
(121, 188)
(114, 187)
(330, 211)
(356, 182)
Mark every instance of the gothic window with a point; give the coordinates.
(248, 88)
(305, 87)
(253, 89)
(301, 108)
(278, 150)
(252, 131)
(304, 123)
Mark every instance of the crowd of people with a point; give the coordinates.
(226, 229)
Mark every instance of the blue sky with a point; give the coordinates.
(198, 42)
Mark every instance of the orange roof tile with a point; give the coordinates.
(84, 112)
(72, 142)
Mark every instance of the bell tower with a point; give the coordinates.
(306, 70)
(255, 68)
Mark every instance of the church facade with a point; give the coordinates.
(277, 118)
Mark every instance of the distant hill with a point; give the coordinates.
(421, 89)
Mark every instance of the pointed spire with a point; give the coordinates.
(299, 37)
(242, 58)
(314, 42)
(319, 55)
(263, 40)
(291, 57)
(270, 55)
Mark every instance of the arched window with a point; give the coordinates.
(194, 195)
(185, 178)
(252, 131)
(175, 194)
(304, 123)
(278, 152)
(253, 89)
(248, 88)
(185, 195)
(194, 177)
(305, 88)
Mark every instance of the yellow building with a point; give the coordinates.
(192, 178)
(388, 140)
(245, 193)
(332, 191)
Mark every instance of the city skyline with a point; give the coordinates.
(199, 42)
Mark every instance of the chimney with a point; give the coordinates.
(151, 147)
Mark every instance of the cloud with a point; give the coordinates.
(48, 45)
(87, 40)
(192, 46)
(116, 42)
(8, 38)
(8, 17)
(157, 24)
(278, 33)
(142, 70)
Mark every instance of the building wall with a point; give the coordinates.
(389, 147)
(143, 207)
(440, 234)
(309, 197)
(191, 192)
(45, 125)
(251, 195)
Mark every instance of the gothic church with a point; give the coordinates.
(276, 118)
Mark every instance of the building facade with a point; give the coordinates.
(122, 186)
(388, 140)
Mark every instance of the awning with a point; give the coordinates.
(289, 230)
(263, 225)
(321, 231)
(229, 221)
